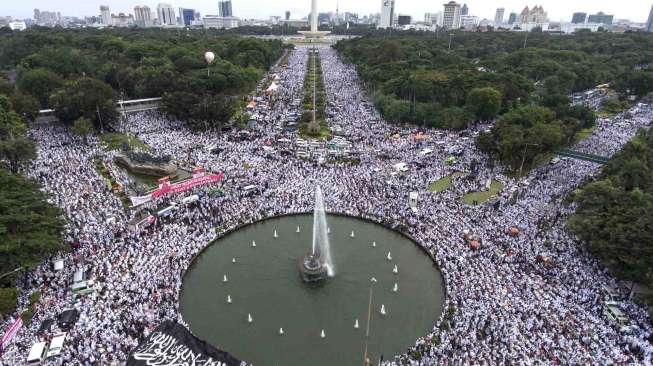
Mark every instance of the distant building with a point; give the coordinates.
(224, 8)
(166, 14)
(537, 15)
(451, 15)
(387, 13)
(649, 24)
(601, 18)
(17, 25)
(287, 15)
(464, 10)
(186, 16)
(142, 16)
(579, 18)
(404, 20)
(351, 17)
(433, 18)
(469, 21)
(295, 23)
(498, 16)
(122, 20)
(512, 19)
(214, 21)
(37, 16)
(105, 15)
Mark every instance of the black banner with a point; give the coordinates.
(171, 344)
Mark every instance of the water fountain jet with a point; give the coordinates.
(318, 265)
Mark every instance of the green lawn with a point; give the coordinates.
(442, 183)
(482, 197)
(583, 134)
(115, 141)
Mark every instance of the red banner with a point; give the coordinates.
(167, 188)
(10, 333)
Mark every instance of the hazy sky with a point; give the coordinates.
(636, 10)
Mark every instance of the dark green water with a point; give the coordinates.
(265, 282)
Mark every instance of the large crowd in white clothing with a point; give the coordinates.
(502, 306)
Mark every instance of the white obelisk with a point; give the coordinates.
(314, 16)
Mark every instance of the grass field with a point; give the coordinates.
(482, 197)
(443, 183)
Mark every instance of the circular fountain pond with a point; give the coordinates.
(265, 282)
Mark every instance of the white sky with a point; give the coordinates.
(635, 10)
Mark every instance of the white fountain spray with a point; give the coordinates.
(321, 247)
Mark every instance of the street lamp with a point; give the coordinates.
(209, 57)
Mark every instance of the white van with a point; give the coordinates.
(56, 344)
(37, 354)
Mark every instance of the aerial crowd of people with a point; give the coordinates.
(527, 296)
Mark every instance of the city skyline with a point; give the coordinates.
(558, 10)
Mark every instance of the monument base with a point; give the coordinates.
(314, 34)
(312, 270)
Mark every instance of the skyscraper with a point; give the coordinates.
(498, 17)
(512, 19)
(649, 24)
(451, 15)
(142, 16)
(166, 14)
(37, 16)
(186, 16)
(387, 13)
(224, 8)
(464, 10)
(105, 15)
(601, 18)
(579, 18)
(287, 15)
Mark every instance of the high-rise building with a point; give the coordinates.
(451, 15)
(512, 19)
(600, 18)
(537, 15)
(105, 15)
(649, 24)
(224, 8)
(498, 17)
(37, 16)
(387, 13)
(404, 20)
(166, 14)
(287, 15)
(469, 21)
(464, 10)
(143, 16)
(186, 16)
(579, 18)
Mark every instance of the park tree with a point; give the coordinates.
(83, 127)
(40, 83)
(15, 147)
(86, 97)
(30, 227)
(484, 103)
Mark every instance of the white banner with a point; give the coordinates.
(11, 333)
(137, 201)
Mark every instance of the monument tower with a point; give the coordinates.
(314, 32)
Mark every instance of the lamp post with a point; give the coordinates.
(369, 318)
(209, 57)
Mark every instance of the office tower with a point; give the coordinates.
(37, 16)
(105, 15)
(404, 20)
(166, 14)
(451, 15)
(143, 16)
(225, 8)
(649, 24)
(579, 18)
(512, 19)
(601, 18)
(186, 16)
(287, 15)
(536, 15)
(498, 17)
(464, 10)
(387, 13)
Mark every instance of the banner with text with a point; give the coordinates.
(10, 333)
(168, 188)
(171, 344)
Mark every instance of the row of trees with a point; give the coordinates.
(614, 212)
(80, 73)
(30, 228)
(419, 78)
